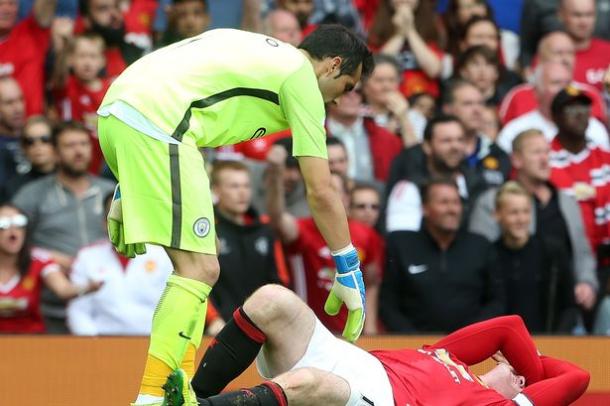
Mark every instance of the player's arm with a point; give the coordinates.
(44, 10)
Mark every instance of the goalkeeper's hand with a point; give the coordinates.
(348, 288)
(116, 232)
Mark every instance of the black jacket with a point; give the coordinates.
(426, 289)
(247, 261)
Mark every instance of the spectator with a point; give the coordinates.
(592, 54)
(556, 46)
(579, 166)
(37, 148)
(311, 262)
(292, 183)
(302, 10)
(248, 252)
(130, 292)
(79, 94)
(459, 12)
(551, 77)
(338, 161)
(555, 213)
(441, 155)
(12, 120)
(406, 29)
(480, 66)
(439, 278)
(465, 101)
(364, 204)
(23, 271)
(386, 105)
(490, 123)
(536, 273)
(342, 12)
(65, 209)
(104, 17)
(370, 148)
(187, 19)
(24, 47)
(283, 25)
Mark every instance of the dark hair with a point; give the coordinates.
(464, 58)
(330, 140)
(440, 119)
(475, 20)
(382, 28)
(331, 40)
(65, 127)
(204, 2)
(426, 187)
(24, 256)
(454, 29)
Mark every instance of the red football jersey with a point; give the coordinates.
(314, 269)
(522, 99)
(22, 56)
(434, 377)
(586, 176)
(591, 63)
(20, 297)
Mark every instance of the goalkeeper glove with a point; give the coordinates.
(348, 288)
(116, 232)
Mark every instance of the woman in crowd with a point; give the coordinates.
(22, 273)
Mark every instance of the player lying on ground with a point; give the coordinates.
(307, 365)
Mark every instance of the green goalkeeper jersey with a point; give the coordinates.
(224, 87)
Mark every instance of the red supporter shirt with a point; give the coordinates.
(20, 297)
(314, 269)
(586, 176)
(22, 56)
(591, 63)
(434, 377)
(522, 99)
(76, 102)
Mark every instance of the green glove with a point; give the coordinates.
(116, 232)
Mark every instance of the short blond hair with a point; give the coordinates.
(524, 136)
(510, 188)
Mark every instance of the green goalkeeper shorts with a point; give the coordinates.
(165, 190)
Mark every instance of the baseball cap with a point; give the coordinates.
(569, 95)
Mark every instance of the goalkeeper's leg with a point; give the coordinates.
(274, 317)
(178, 320)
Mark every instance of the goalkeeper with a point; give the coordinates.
(219, 88)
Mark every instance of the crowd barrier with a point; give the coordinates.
(105, 371)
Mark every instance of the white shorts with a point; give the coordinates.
(368, 381)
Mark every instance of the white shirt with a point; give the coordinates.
(126, 302)
(596, 132)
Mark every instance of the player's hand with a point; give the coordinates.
(348, 288)
(115, 229)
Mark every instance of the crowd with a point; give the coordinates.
(473, 164)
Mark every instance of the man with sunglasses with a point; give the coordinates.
(38, 150)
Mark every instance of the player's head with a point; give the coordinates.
(87, 56)
(231, 186)
(190, 17)
(364, 204)
(12, 106)
(13, 235)
(73, 148)
(530, 156)
(8, 15)
(504, 380)
(514, 212)
(340, 59)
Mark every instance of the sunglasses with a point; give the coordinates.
(361, 206)
(18, 220)
(29, 141)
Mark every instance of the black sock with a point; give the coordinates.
(267, 394)
(228, 355)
